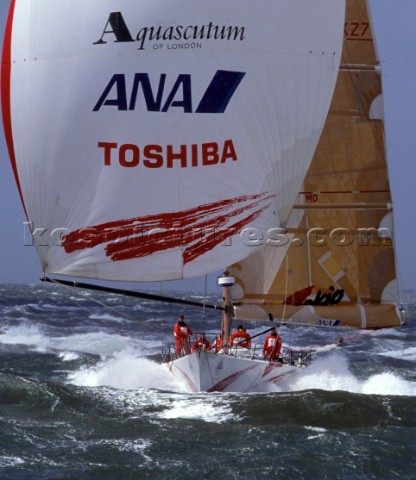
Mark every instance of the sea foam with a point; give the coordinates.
(332, 373)
(125, 371)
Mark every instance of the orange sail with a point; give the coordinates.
(333, 262)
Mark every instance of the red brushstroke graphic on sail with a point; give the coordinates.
(198, 229)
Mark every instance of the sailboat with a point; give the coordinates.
(153, 142)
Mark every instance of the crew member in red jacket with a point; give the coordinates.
(182, 331)
(201, 343)
(272, 345)
(217, 343)
(241, 338)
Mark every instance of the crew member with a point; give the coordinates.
(217, 343)
(201, 343)
(182, 331)
(240, 338)
(272, 346)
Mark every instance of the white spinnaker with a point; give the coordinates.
(287, 54)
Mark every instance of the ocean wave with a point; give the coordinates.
(10, 461)
(124, 371)
(408, 353)
(333, 373)
(96, 343)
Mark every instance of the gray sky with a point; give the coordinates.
(396, 34)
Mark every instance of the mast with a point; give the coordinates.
(226, 281)
(225, 328)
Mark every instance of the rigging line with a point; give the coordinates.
(118, 330)
(130, 293)
(109, 307)
(286, 292)
(252, 336)
(205, 302)
(191, 291)
(338, 341)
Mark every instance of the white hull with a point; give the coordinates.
(210, 372)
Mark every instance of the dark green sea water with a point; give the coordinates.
(80, 398)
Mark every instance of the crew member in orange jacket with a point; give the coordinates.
(272, 345)
(217, 343)
(182, 331)
(201, 343)
(241, 338)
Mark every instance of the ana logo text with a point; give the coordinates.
(328, 323)
(122, 93)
